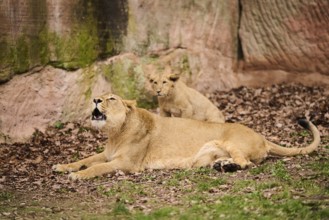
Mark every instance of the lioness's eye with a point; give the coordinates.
(164, 82)
(111, 99)
(155, 83)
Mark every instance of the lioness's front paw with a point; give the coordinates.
(80, 175)
(226, 166)
(65, 167)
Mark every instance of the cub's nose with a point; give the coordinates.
(96, 101)
(158, 92)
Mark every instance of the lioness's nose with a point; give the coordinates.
(96, 101)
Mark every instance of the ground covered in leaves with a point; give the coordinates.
(281, 188)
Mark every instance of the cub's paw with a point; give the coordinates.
(65, 167)
(226, 166)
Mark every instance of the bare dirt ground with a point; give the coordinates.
(30, 189)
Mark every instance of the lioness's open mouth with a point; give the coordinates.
(97, 115)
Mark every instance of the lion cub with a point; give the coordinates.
(178, 100)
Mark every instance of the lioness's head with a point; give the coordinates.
(163, 84)
(110, 111)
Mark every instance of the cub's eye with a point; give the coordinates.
(155, 82)
(151, 80)
(164, 82)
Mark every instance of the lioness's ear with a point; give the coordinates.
(174, 77)
(131, 104)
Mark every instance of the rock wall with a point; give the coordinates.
(281, 35)
(207, 30)
(66, 34)
(283, 41)
(285, 35)
(73, 34)
(20, 52)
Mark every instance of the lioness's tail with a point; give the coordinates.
(284, 151)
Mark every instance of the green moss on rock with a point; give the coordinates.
(40, 52)
(5, 64)
(20, 55)
(77, 50)
(88, 81)
(128, 81)
(122, 79)
(92, 35)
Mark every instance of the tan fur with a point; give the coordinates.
(177, 99)
(139, 140)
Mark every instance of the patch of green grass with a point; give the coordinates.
(36, 134)
(307, 187)
(75, 156)
(196, 198)
(125, 190)
(83, 129)
(182, 174)
(149, 177)
(35, 203)
(204, 171)
(59, 125)
(263, 168)
(279, 170)
(208, 184)
(63, 190)
(303, 133)
(5, 196)
(172, 182)
(320, 166)
(249, 206)
(253, 206)
(281, 195)
(267, 185)
(120, 209)
(242, 184)
(162, 213)
(101, 190)
(37, 210)
(99, 149)
(200, 178)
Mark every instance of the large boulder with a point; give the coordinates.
(48, 95)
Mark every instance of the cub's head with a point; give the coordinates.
(110, 111)
(163, 84)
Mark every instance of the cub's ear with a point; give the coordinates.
(148, 71)
(174, 77)
(131, 104)
(149, 75)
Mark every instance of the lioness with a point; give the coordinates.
(138, 140)
(177, 99)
